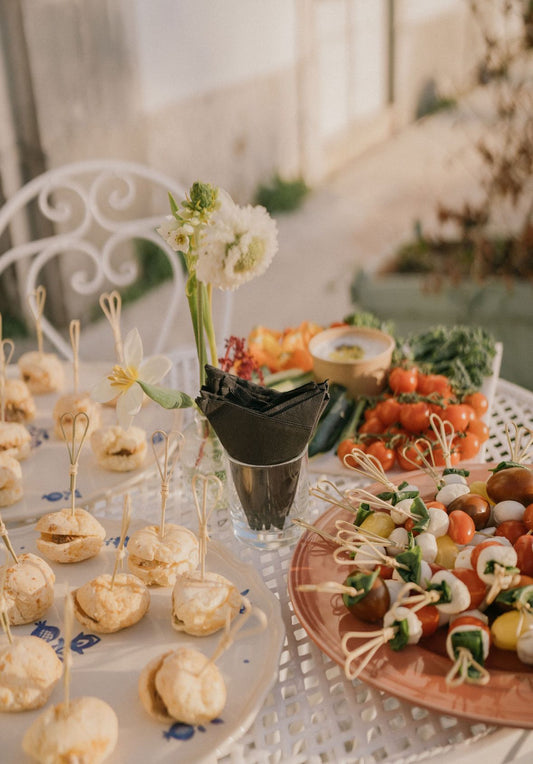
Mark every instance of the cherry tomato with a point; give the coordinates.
(458, 415)
(468, 445)
(385, 571)
(479, 428)
(435, 505)
(434, 384)
(527, 517)
(478, 402)
(478, 549)
(511, 529)
(346, 446)
(373, 606)
(440, 459)
(372, 426)
(403, 380)
(429, 618)
(511, 483)
(476, 586)
(414, 417)
(385, 456)
(461, 528)
(408, 458)
(475, 506)
(388, 411)
(471, 620)
(524, 553)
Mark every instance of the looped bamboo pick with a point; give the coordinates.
(7, 541)
(36, 303)
(5, 360)
(4, 618)
(202, 511)
(74, 445)
(119, 558)
(232, 628)
(111, 305)
(74, 331)
(166, 467)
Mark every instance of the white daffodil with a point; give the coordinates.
(177, 235)
(124, 382)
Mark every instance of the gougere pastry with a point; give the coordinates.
(68, 406)
(19, 403)
(15, 440)
(201, 606)
(68, 536)
(42, 372)
(117, 449)
(28, 589)
(105, 609)
(85, 733)
(29, 671)
(10, 480)
(182, 686)
(158, 560)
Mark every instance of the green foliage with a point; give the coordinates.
(281, 195)
(12, 326)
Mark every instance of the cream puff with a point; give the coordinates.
(67, 406)
(158, 560)
(15, 440)
(182, 686)
(67, 536)
(117, 449)
(29, 671)
(42, 372)
(10, 480)
(18, 401)
(85, 731)
(104, 609)
(28, 589)
(201, 606)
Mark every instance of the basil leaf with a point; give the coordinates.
(445, 592)
(491, 564)
(412, 558)
(455, 471)
(359, 580)
(473, 642)
(400, 495)
(419, 509)
(506, 466)
(523, 594)
(362, 513)
(401, 638)
(168, 399)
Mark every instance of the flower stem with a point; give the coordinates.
(209, 328)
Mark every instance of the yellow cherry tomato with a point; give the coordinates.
(447, 551)
(507, 628)
(379, 523)
(479, 487)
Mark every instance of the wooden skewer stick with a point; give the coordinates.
(203, 513)
(74, 330)
(4, 618)
(74, 446)
(7, 541)
(231, 629)
(126, 517)
(165, 467)
(5, 360)
(111, 305)
(36, 303)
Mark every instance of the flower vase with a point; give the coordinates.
(202, 453)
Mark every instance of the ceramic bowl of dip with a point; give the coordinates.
(356, 357)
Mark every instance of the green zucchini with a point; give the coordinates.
(340, 407)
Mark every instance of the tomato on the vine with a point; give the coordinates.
(467, 444)
(479, 428)
(346, 446)
(388, 411)
(385, 455)
(372, 426)
(438, 384)
(408, 458)
(414, 417)
(458, 415)
(478, 402)
(403, 380)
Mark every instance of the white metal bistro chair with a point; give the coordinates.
(95, 210)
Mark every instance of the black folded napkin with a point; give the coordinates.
(260, 426)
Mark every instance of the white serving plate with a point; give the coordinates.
(45, 472)
(109, 668)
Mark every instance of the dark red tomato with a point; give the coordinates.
(475, 506)
(476, 586)
(403, 380)
(461, 528)
(414, 417)
(478, 402)
(436, 384)
(373, 606)
(429, 619)
(511, 483)
(479, 428)
(527, 517)
(458, 415)
(385, 456)
(388, 411)
(511, 529)
(467, 445)
(524, 553)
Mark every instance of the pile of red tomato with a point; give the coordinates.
(401, 416)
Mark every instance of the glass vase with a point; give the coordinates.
(202, 453)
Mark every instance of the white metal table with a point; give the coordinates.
(314, 714)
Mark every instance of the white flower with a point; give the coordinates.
(237, 245)
(122, 380)
(175, 234)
